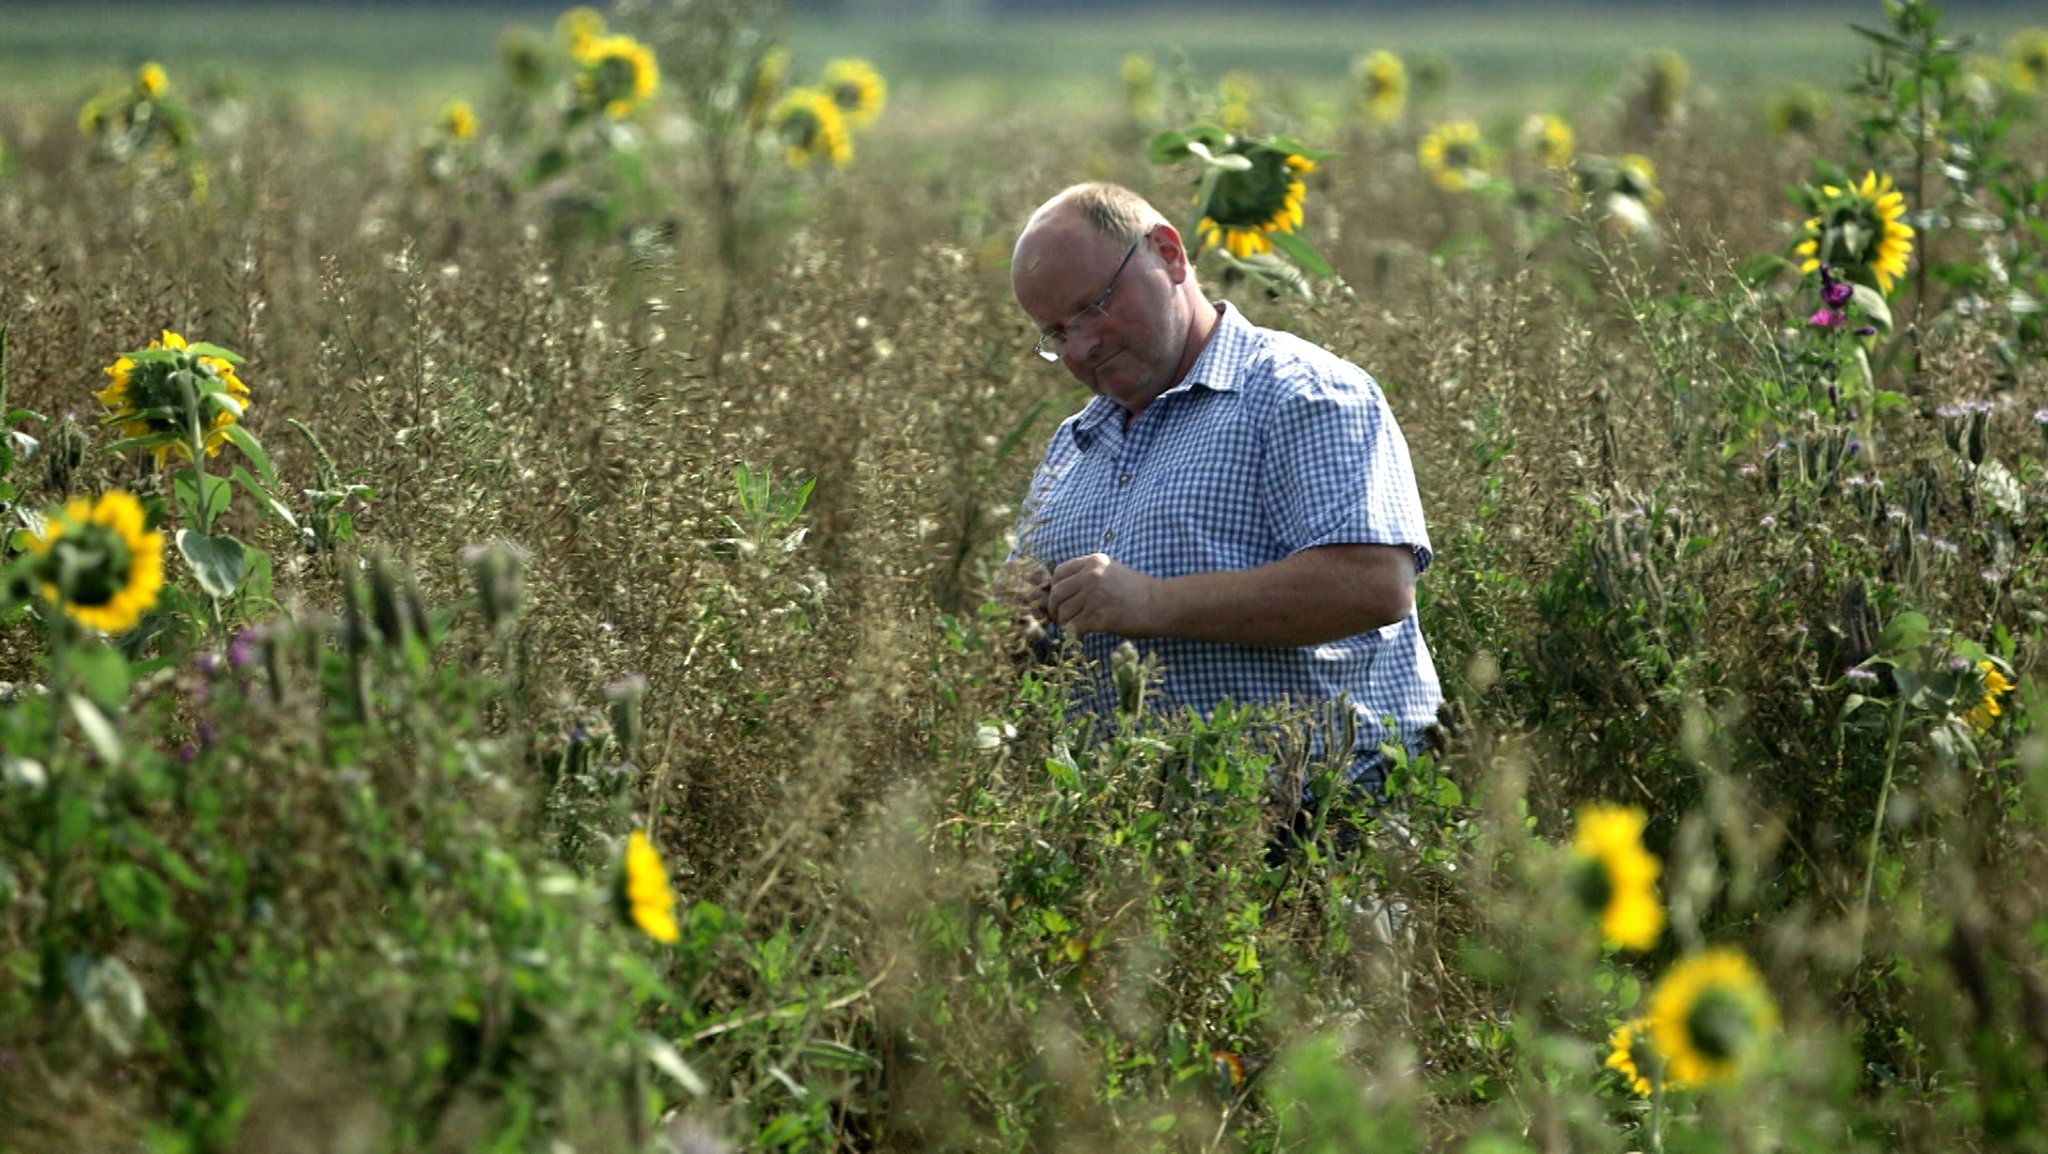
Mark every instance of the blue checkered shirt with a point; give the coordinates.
(1271, 445)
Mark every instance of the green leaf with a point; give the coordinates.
(665, 1057)
(137, 898)
(205, 349)
(112, 998)
(218, 497)
(1223, 162)
(1904, 634)
(838, 1056)
(99, 732)
(1871, 304)
(1300, 252)
(218, 562)
(259, 584)
(104, 674)
(149, 441)
(261, 492)
(253, 449)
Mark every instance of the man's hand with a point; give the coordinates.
(1024, 583)
(1094, 594)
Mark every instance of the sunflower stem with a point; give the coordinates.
(204, 508)
(1657, 1116)
(1884, 793)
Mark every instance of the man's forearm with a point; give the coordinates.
(1315, 596)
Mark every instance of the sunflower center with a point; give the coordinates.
(1593, 885)
(89, 565)
(1251, 199)
(1719, 1025)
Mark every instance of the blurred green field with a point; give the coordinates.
(401, 56)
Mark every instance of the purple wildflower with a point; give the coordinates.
(1768, 521)
(1949, 412)
(1828, 319)
(243, 650)
(1867, 331)
(1855, 445)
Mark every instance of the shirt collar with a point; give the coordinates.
(1216, 369)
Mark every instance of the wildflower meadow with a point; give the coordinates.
(503, 644)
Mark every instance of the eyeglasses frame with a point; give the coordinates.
(1050, 341)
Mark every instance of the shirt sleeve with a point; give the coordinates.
(1336, 466)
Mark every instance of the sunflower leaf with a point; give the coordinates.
(151, 441)
(261, 492)
(1871, 304)
(218, 562)
(253, 449)
(209, 350)
(1301, 253)
(218, 496)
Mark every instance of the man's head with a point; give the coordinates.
(1112, 291)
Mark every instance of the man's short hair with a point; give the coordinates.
(1110, 208)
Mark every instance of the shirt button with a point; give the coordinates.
(1108, 535)
(1124, 480)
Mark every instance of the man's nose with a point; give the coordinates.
(1080, 347)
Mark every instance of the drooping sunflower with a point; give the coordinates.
(148, 397)
(1859, 230)
(150, 80)
(1615, 877)
(856, 88)
(2028, 54)
(1246, 208)
(1630, 1053)
(1801, 110)
(458, 120)
(809, 124)
(1548, 139)
(1986, 712)
(644, 895)
(1382, 86)
(1454, 155)
(579, 26)
(1710, 1018)
(98, 562)
(615, 75)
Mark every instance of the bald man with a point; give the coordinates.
(1234, 501)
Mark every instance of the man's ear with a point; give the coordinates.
(1165, 240)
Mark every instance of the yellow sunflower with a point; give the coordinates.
(1382, 86)
(578, 27)
(616, 75)
(1237, 92)
(1615, 877)
(811, 129)
(458, 120)
(1454, 156)
(1710, 1018)
(1801, 110)
(98, 561)
(1141, 86)
(1635, 175)
(148, 400)
(644, 892)
(1548, 139)
(2029, 56)
(1630, 1053)
(764, 84)
(1247, 208)
(150, 80)
(1986, 712)
(1859, 231)
(856, 88)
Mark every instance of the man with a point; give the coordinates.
(1235, 501)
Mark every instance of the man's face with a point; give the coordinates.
(1120, 350)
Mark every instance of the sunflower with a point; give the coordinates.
(148, 400)
(764, 84)
(644, 894)
(1615, 877)
(811, 129)
(1141, 85)
(1710, 1017)
(1800, 110)
(151, 81)
(1382, 86)
(1630, 1053)
(98, 561)
(2029, 56)
(458, 120)
(1635, 176)
(1549, 139)
(1246, 208)
(616, 74)
(579, 26)
(856, 88)
(1986, 712)
(1858, 230)
(1237, 92)
(1454, 156)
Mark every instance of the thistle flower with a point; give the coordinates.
(1710, 1018)
(1454, 156)
(811, 128)
(1615, 877)
(1986, 712)
(616, 75)
(644, 895)
(1382, 86)
(162, 391)
(856, 88)
(96, 560)
(1859, 230)
(1247, 208)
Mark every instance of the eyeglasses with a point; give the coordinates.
(1053, 341)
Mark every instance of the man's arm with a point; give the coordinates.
(1308, 598)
